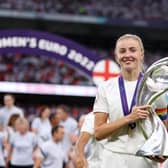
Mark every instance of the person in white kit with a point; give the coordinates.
(22, 146)
(96, 147)
(115, 101)
(9, 109)
(74, 138)
(51, 153)
(3, 143)
(41, 125)
(54, 119)
(69, 124)
(11, 125)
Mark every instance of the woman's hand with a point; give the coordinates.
(138, 113)
(81, 162)
(159, 159)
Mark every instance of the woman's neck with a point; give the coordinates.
(23, 133)
(130, 75)
(43, 118)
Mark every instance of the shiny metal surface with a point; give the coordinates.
(153, 86)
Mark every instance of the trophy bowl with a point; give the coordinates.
(153, 90)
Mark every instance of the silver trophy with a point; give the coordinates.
(153, 88)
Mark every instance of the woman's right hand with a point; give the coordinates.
(159, 159)
(138, 113)
(81, 162)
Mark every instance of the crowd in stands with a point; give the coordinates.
(48, 139)
(44, 69)
(39, 69)
(125, 9)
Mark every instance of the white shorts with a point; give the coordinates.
(114, 160)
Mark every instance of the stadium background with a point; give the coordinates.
(95, 25)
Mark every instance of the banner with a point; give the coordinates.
(43, 43)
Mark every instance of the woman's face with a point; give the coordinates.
(46, 113)
(22, 128)
(129, 54)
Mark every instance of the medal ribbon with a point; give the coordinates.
(124, 102)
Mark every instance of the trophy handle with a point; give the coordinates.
(156, 144)
(153, 85)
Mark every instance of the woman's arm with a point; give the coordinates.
(5, 150)
(104, 129)
(38, 162)
(80, 146)
(9, 153)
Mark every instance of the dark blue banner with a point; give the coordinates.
(42, 43)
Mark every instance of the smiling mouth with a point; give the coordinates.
(127, 60)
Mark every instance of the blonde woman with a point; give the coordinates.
(22, 145)
(115, 101)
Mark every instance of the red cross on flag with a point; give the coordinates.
(104, 70)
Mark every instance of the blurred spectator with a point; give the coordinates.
(69, 124)
(88, 150)
(74, 137)
(54, 119)
(3, 142)
(41, 125)
(51, 153)
(9, 108)
(11, 125)
(22, 145)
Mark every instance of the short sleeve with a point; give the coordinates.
(12, 139)
(73, 126)
(42, 152)
(88, 125)
(35, 123)
(34, 140)
(100, 104)
(18, 110)
(21, 113)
